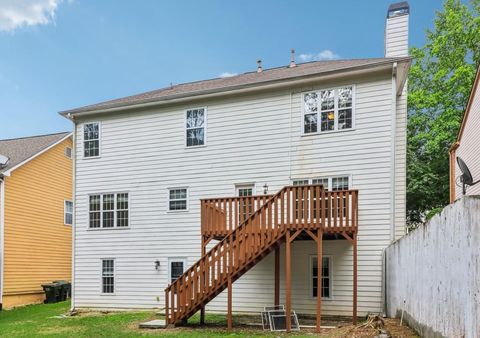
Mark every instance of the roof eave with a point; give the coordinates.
(210, 93)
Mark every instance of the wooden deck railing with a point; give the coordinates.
(219, 216)
(292, 208)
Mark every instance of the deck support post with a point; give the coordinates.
(277, 276)
(288, 286)
(319, 279)
(355, 285)
(229, 310)
(202, 309)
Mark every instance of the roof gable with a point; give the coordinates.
(23, 149)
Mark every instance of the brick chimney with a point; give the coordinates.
(396, 30)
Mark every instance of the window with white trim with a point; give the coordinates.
(68, 152)
(329, 184)
(326, 277)
(91, 139)
(108, 276)
(195, 127)
(177, 199)
(328, 110)
(176, 267)
(108, 210)
(332, 183)
(68, 212)
(246, 206)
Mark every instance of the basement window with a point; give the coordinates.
(325, 277)
(91, 139)
(176, 267)
(108, 211)
(328, 110)
(108, 276)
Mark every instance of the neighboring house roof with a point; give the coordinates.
(20, 150)
(250, 79)
(467, 111)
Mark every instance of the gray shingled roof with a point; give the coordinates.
(240, 81)
(21, 149)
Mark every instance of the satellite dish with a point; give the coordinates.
(3, 161)
(466, 178)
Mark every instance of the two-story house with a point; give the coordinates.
(466, 145)
(36, 215)
(280, 185)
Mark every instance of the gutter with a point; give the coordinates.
(239, 89)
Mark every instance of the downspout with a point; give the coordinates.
(74, 223)
(394, 132)
(2, 232)
(392, 197)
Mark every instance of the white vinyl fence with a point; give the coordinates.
(433, 273)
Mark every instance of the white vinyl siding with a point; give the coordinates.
(252, 138)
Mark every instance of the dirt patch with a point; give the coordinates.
(248, 326)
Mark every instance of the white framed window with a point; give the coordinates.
(331, 183)
(108, 210)
(328, 110)
(91, 139)
(68, 152)
(178, 199)
(108, 276)
(246, 207)
(244, 190)
(68, 212)
(325, 277)
(176, 267)
(195, 127)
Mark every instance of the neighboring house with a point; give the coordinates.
(467, 145)
(155, 174)
(35, 216)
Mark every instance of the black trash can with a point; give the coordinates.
(51, 292)
(63, 290)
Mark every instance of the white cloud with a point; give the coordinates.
(20, 13)
(326, 54)
(228, 74)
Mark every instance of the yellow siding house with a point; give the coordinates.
(35, 216)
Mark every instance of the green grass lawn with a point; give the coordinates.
(42, 321)
(39, 321)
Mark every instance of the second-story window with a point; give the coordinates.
(177, 199)
(195, 127)
(328, 110)
(108, 211)
(91, 139)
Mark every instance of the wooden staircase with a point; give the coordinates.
(294, 208)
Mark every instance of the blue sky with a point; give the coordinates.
(65, 54)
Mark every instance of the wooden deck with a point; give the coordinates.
(299, 210)
(248, 229)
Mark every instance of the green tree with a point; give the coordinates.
(440, 80)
